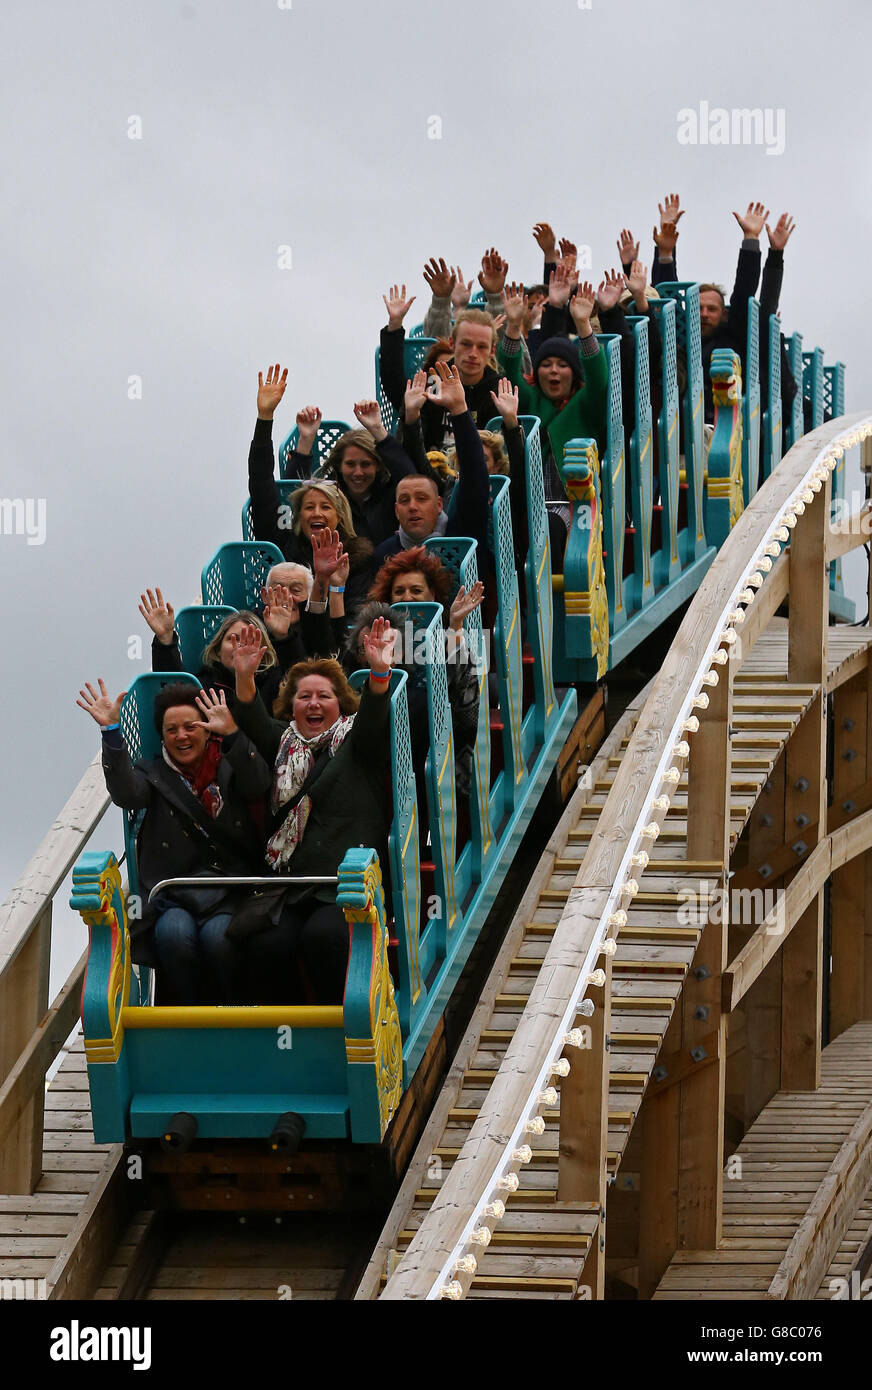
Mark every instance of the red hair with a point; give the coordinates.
(419, 560)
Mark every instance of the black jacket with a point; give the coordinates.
(349, 798)
(178, 838)
(267, 515)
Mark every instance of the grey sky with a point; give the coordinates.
(307, 127)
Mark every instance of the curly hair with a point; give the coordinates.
(283, 707)
(408, 562)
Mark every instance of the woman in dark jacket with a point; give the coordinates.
(330, 756)
(197, 821)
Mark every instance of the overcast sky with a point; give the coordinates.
(307, 127)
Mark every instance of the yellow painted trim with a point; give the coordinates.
(234, 1016)
(557, 583)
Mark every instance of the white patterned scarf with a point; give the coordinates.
(294, 761)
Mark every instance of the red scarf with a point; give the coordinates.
(204, 783)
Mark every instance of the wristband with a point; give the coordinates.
(107, 728)
(337, 588)
(380, 675)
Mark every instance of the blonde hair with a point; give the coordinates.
(335, 497)
(479, 316)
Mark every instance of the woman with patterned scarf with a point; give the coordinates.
(331, 753)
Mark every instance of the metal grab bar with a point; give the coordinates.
(225, 880)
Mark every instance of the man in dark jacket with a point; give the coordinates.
(418, 504)
(196, 797)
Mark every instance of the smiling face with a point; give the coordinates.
(473, 346)
(411, 588)
(358, 471)
(317, 513)
(555, 378)
(418, 505)
(316, 705)
(183, 737)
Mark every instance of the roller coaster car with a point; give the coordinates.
(261, 1079)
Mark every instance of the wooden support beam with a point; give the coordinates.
(23, 1003)
(853, 531)
(850, 898)
(762, 1003)
(701, 1123)
(26, 1078)
(806, 791)
(658, 1124)
(584, 1126)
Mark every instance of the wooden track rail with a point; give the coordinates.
(695, 766)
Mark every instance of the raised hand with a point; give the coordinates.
(216, 716)
(308, 424)
(270, 392)
(326, 553)
(279, 610)
(462, 292)
(505, 399)
(628, 249)
(568, 249)
(449, 392)
(416, 395)
(465, 603)
(440, 279)
(610, 289)
(342, 570)
(397, 305)
(378, 645)
(783, 229)
(369, 414)
(670, 209)
(560, 285)
(160, 616)
(102, 708)
(492, 276)
(514, 307)
(637, 282)
(544, 236)
(248, 649)
(754, 219)
(581, 306)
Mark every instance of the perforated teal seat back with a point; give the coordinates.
(328, 433)
(813, 384)
(414, 352)
(796, 420)
(286, 487)
(196, 626)
(237, 572)
(751, 405)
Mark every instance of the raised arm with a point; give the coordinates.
(389, 449)
(773, 268)
(265, 499)
(160, 616)
(472, 489)
(127, 786)
(393, 337)
(308, 424)
(747, 271)
(665, 266)
(442, 282)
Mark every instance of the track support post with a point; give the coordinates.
(806, 792)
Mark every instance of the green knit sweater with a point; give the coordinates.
(583, 416)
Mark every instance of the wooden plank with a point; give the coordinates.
(584, 1124)
(850, 895)
(23, 1003)
(85, 1250)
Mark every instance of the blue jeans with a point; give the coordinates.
(198, 963)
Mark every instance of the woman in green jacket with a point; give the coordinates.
(569, 389)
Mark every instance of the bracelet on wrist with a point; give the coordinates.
(380, 675)
(337, 588)
(107, 728)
